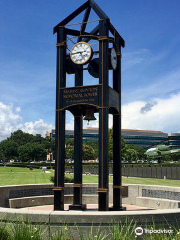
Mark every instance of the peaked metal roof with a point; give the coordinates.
(88, 5)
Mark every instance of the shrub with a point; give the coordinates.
(66, 179)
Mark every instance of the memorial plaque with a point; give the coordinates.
(78, 95)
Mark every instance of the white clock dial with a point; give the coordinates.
(113, 58)
(81, 53)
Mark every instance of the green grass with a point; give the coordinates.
(134, 180)
(17, 175)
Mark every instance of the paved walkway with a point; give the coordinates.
(89, 207)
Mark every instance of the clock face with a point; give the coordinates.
(113, 59)
(81, 53)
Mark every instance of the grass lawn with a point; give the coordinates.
(16, 175)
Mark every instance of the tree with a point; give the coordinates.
(25, 152)
(32, 151)
(122, 145)
(69, 142)
(21, 137)
(38, 139)
(175, 156)
(9, 148)
(2, 157)
(129, 152)
(69, 152)
(38, 151)
(170, 157)
(88, 152)
(140, 151)
(49, 144)
(95, 147)
(131, 155)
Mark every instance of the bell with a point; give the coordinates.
(89, 115)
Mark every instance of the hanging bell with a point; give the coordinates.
(89, 115)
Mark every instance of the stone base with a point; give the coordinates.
(117, 209)
(58, 200)
(77, 207)
(103, 201)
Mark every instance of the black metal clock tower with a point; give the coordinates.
(83, 101)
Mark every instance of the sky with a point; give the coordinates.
(150, 63)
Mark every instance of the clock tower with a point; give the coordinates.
(96, 52)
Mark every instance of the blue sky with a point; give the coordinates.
(150, 63)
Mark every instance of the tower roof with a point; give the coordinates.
(87, 6)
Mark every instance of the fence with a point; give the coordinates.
(141, 172)
(152, 172)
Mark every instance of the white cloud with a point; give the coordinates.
(37, 127)
(18, 109)
(163, 116)
(11, 120)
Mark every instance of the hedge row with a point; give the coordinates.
(89, 165)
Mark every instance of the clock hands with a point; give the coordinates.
(76, 53)
(79, 52)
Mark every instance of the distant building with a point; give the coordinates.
(142, 138)
(89, 134)
(174, 140)
(50, 134)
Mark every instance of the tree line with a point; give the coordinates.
(25, 146)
